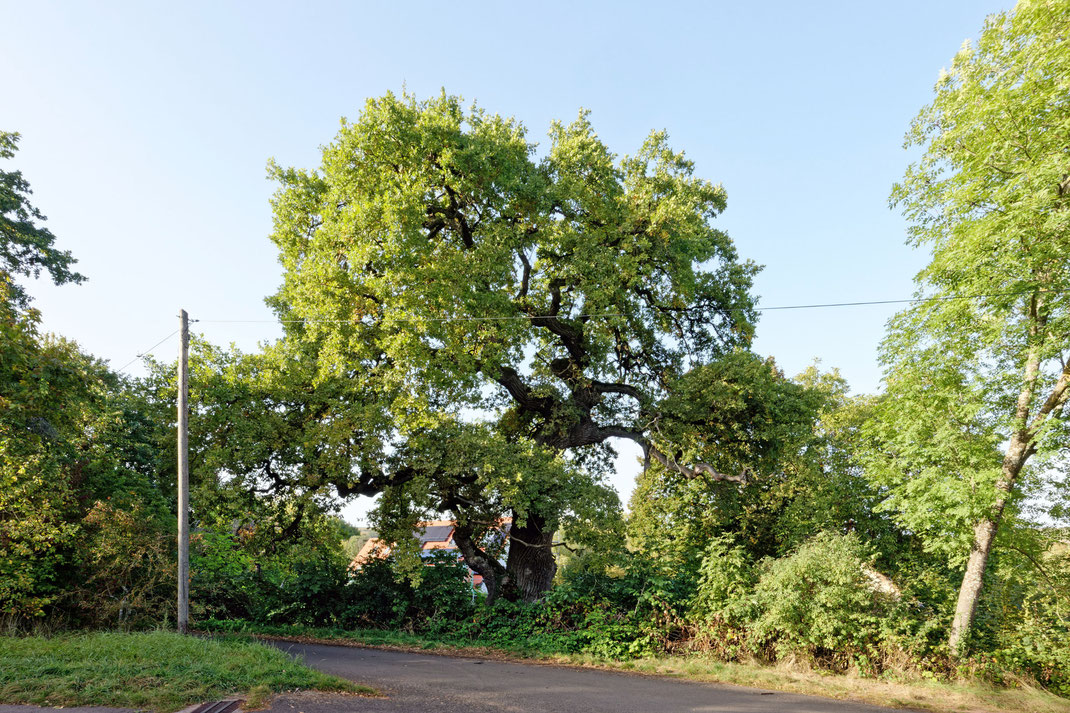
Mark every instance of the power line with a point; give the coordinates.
(825, 305)
(913, 300)
(502, 318)
(145, 352)
(456, 318)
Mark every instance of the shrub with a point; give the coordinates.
(378, 597)
(1039, 648)
(128, 568)
(725, 592)
(818, 602)
(309, 589)
(1022, 628)
(224, 581)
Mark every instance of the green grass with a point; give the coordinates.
(160, 671)
(902, 691)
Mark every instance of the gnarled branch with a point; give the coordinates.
(697, 469)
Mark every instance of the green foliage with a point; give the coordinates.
(310, 588)
(819, 604)
(626, 614)
(301, 580)
(818, 600)
(69, 432)
(252, 446)
(989, 197)
(260, 502)
(308, 582)
(1023, 622)
(935, 452)
(822, 603)
(69, 437)
(736, 412)
(632, 613)
(975, 372)
(224, 580)
(25, 247)
(380, 596)
(801, 438)
(35, 498)
(127, 562)
(435, 267)
(727, 577)
(741, 415)
(397, 204)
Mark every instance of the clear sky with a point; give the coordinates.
(147, 127)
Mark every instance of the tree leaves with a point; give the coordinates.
(25, 247)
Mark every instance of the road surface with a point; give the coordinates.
(423, 683)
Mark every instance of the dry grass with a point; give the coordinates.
(792, 678)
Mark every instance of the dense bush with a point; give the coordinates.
(629, 613)
(80, 512)
(818, 601)
(376, 596)
(314, 587)
(726, 581)
(1022, 626)
(128, 567)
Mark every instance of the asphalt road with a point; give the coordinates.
(422, 683)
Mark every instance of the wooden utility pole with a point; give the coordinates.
(183, 475)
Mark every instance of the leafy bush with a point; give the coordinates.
(1022, 628)
(628, 613)
(128, 567)
(377, 597)
(307, 588)
(224, 580)
(1038, 648)
(726, 583)
(818, 602)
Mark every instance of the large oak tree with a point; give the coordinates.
(452, 275)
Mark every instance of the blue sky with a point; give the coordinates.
(147, 126)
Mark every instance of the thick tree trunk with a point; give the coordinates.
(531, 566)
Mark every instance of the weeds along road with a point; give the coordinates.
(424, 683)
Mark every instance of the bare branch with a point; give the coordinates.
(526, 278)
(699, 468)
(603, 387)
(510, 379)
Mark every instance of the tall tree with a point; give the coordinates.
(443, 268)
(977, 375)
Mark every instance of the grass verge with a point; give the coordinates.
(161, 671)
(900, 691)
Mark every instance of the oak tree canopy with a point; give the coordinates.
(499, 312)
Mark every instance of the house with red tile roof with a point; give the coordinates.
(433, 535)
